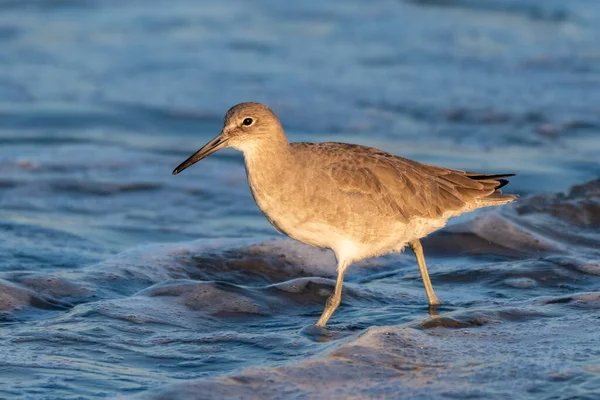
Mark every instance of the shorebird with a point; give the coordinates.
(358, 201)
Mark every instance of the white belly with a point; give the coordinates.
(389, 239)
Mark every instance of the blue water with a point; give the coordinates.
(118, 279)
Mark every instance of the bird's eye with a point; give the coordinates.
(248, 121)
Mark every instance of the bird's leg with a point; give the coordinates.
(416, 247)
(334, 300)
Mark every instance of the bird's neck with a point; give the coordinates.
(268, 160)
(267, 166)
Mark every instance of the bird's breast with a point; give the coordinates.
(291, 207)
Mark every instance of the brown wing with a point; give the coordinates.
(407, 188)
(360, 181)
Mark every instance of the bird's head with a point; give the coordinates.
(246, 127)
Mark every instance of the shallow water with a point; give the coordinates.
(118, 279)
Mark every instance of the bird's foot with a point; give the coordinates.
(318, 333)
(433, 308)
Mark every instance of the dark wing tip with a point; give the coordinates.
(480, 177)
(496, 177)
(502, 183)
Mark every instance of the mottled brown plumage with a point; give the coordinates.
(358, 201)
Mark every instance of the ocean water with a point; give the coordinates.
(118, 279)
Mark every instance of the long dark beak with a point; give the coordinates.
(216, 144)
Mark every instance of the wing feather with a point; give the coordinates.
(401, 187)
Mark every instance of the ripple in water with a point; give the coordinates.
(117, 279)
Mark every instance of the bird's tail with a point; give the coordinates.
(497, 181)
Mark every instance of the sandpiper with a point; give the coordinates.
(358, 201)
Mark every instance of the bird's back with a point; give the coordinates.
(404, 188)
